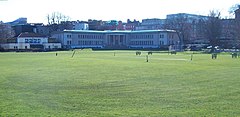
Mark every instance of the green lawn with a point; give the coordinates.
(100, 84)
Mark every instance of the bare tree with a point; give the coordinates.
(233, 8)
(213, 27)
(237, 32)
(58, 22)
(6, 32)
(182, 25)
(57, 18)
(48, 19)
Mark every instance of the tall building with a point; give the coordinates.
(189, 25)
(151, 24)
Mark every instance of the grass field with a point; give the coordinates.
(100, 84)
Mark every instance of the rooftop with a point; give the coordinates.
(28, 34)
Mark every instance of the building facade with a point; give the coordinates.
(190, 26)
(30, 41)
(152, 24)
(117, 39)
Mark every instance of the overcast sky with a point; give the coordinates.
(37, 10)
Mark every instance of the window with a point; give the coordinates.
(161, 42)
(69, 36)
(35, 41)
(69, 42)
(161, 36)
(30, 41)
(26, 40)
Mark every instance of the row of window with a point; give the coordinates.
(90, 42)
(142, 36)
(132, 42)
(148, 42)
(90, 36)
(132, 36)
(145, 36)
(32, 40)
(16, 47)
(141, 42)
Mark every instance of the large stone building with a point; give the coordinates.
(117, 39)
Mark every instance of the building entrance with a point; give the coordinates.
(116, 41)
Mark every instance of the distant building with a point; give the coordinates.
(110, 25)
(228, 30)
(80, 26)
(237, 13)
(68, 25)
(189, 24)
(131, 25)
(95, 24)
(118, 39)
(151, 24)
(30, 41)
(22, 28)
(43, 29)
(19, 21)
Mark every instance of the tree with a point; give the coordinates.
(233, 8)
(57, 18)
(237, 33)
(58, 22)
(182, 25)
(213, 27)
(6, 32)
(237, 24)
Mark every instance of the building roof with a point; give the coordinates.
(28, 34)
(117, 31)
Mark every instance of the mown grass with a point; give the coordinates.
(100, 84)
